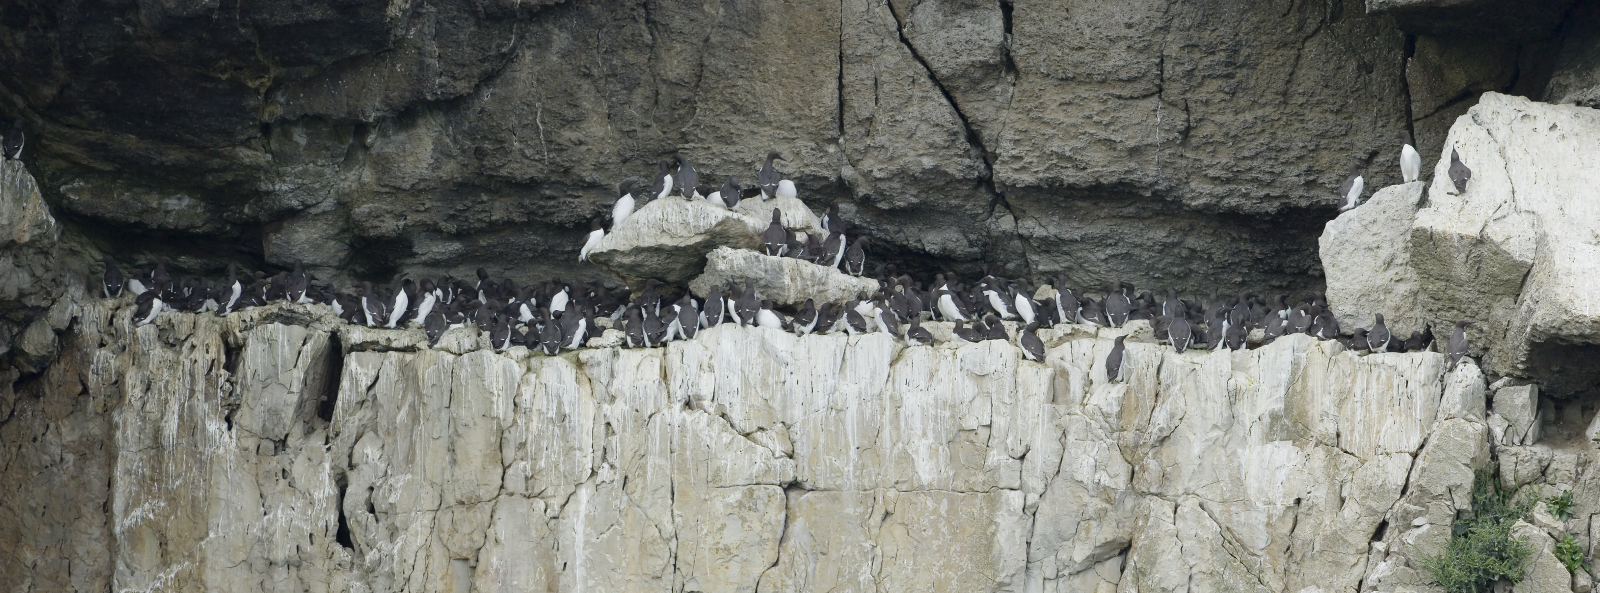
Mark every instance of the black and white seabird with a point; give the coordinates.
(14, 140)
(1459, 173)
(621, 210)
(730, 193)
(147, 307)
(1032, 346)
(688, 179)
(1378, 337)
(767, 177)
(748, 305)
(1180, 334)
(917, 333)
(855, 258)
(1117, 305)
(775, 240)
(1458, 346)
(298, 284)
(1115, 372)
(112, 281)
(550, 337)
(435, 325)
(1350, 192)
(805, 320)
(688, 317)
(786, 189)
(766, 317)
(663, 183)
(997, 329)
(969, 334)
(1410, 161)
(596, 233)
(575, 328)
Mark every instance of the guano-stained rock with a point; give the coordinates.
(750, 459)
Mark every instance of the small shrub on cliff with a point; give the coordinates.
(1569, 553)
(1560, 506)
(1482, 548)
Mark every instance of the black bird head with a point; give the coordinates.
(625, 188)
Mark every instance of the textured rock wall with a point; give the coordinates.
(275, 450)
(1163, 142)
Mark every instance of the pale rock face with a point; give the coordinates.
(1365, 271)
(1516, 252)
(784, 280)
(257, 455)
(668, 239)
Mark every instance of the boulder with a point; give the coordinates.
(1516, 253)
(784, 280)
(1366, 272)
(1545, 574)
(668, 239)
(1519, 406)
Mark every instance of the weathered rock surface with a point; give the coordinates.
(1516, 253)
(278, 449)
(783, 280)
(669, 239)
(367, 136)
(1367, 268)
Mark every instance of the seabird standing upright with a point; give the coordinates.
(147, 307)
(767, 177)
(1457, 347)
(596, 233)
(786, 189)
(112, 281)
(663, 183)
(1115, 372)
(14, 141)
(775, 240)
(1378, 336)
(1459, 173)
(688, 179)
(298, 283)
(621, 210)
(730, 192)
(1350, 192)
(855, 258)
(1180, 334)
(1032, 346)
(1410, 161)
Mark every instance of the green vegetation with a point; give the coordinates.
(1482, 548)
(1560, 506)
(1569, 553)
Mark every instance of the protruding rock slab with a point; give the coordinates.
(1518, 251)
(668, 239)
(1367, 266)
(783, 280)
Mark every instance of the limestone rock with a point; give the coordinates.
(1519, 406)
(784, 280)
(669, 239)
(280, 444)
(1545, 573)
(1515, 252)
(1366, 271)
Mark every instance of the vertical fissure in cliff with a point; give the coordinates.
(328, 401)
(986, 177)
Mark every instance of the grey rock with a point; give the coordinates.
(1519, 406)
(1545, 574)
(669, 239)
(1514, 254)
(1576, 75)
(1366, 273)
(1151, 143)
(783, 280)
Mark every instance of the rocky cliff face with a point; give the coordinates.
(279, 450)
(1186, 143)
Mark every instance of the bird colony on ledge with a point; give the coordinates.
(555, 315)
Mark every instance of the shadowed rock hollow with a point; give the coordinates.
(1185, 143)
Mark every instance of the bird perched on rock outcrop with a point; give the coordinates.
(855, 258)
(1378, 337)
(1115, 372)
(14, 140)
(596, 233)
(767, 177)
(775, 240)
(1350, 192)
(1458, 346)
(1032, 346)
(621, 210)
(663, 183)
(1410, 161)
(688, 179)
(112, 281)
(1459, 173)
